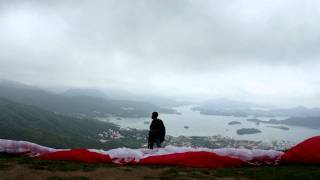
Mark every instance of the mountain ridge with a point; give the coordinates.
(81, 105)
(30, 123)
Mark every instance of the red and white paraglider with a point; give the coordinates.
(306, 152)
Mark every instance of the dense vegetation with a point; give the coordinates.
(24, 122)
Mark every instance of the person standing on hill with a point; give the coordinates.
(157, 131)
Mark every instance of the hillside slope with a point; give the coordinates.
(24, 122)
(79, 105)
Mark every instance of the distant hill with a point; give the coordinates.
(228, 104)
(299, 111)
(24, 122)
(309, 122)
(244, 109)
(120, 94)
(80, 105)
(85, 92)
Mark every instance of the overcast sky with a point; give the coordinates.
(263, 51)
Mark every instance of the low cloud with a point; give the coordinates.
(264, 51)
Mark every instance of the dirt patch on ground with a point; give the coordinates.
(113, 173)
(23, 172)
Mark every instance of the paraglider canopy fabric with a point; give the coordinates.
(307, 152)
(194, 159)
(80, 155)
(23, 148)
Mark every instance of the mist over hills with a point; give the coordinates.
(85, 92)
(118, 94)
(296, 116)
(230, 104)
(76, 102)
(92, 103)
(308, 122)
(30, 123)
(244, 109)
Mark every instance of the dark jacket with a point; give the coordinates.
(157, 130)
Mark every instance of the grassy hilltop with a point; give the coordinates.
(28, 168)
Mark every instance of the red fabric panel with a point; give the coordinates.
(307, 152)
(80, 155)
(193, 159)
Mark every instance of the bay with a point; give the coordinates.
(211, 125)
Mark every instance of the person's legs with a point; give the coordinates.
(157, 141)
(150, 143)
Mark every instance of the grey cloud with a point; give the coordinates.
(193, 48)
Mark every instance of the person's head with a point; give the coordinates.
(154, 115)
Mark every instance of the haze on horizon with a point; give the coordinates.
(260, 51)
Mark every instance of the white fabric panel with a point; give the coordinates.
(18, 147)
(129, 155)
(125, 155)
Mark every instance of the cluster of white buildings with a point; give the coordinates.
(109, 135)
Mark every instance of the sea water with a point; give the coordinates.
(211, 125)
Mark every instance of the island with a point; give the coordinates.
(248, 131)
(279, 127)
(271, 121)
(308, 122)
(234, 122)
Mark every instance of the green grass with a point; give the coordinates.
(263, 172)
(68, 178)
(34, 163)
(33, 124)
